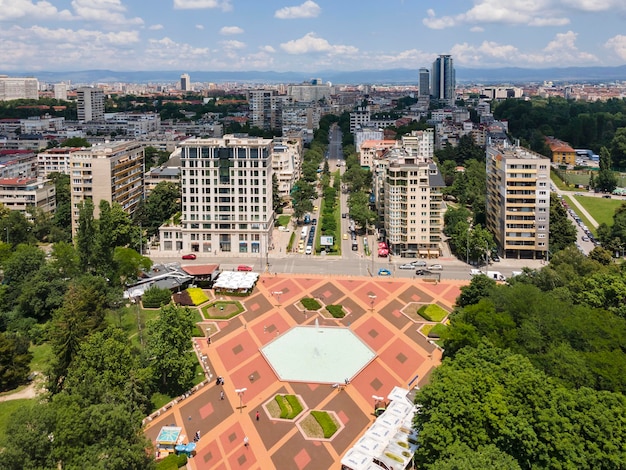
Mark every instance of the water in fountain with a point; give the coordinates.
(317, 325)
(316, 352)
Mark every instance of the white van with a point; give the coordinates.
(309, 250)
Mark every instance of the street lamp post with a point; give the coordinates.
(372, 299)
(240, 392)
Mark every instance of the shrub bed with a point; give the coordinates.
(155, 297)
(432, 312)
(197, 295)
(310, 304)
(336, 311)
(437, 331)
(326, 422)
(289, 405)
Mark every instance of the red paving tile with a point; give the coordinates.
(236, 351)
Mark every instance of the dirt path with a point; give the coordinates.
(31, 391)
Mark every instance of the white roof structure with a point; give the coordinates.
(236, 280)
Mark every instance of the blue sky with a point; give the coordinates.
(309, 35)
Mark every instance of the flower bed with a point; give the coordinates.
(432, 312)
(198, 296)
(310, 304)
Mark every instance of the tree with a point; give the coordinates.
(14, 360)
(160, 205)
(86, 236)
(129, 263)
(606, 181)
(562, 231)
(168, 348)
(76, 142)
(276, 200)
(358, 204)
(600, 254)
(618, 147)
(114, 229)
(459, 456)
(479, 287)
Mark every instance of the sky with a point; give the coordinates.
(307, 35)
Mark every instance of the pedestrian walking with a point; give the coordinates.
(208, 341)
(222, 395)
(258, 416)
(245, 441)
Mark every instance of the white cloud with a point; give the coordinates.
(202, 4)
(199, 26)
(155, 27)
(232, 44)
(18, 9)
(618, 45)
(228, 30)
(595, 5)
(311, 43)
(308, 9)
(268, 49)
(103, 11)
(561, 51)
(477, 29)
(516, 12)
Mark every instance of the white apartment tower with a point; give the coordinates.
(226, 188)
(112, 172)
(90, 104)
(518, 200)
(15, 88)
(60, 91)
(185, 82)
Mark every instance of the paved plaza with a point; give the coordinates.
(375, 316)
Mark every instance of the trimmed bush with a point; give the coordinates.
(310, 304)
(432, 312)
(155, 297)
(197, 295)
(437, 331)
(289, 405)
(326, 422)
(336, 311)
(168, 463)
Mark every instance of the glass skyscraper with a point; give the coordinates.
(443, 79)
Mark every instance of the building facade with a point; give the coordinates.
(113, 172)
(518, 201)
(16, 88)
(423, 84)
(22, 194)
(562, 152)
(226, 188)
(185, 82)
(90, 105)
(54, 160)
(443, 78)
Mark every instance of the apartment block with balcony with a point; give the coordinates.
(227, 208)
(413, 206)
(22, 194)
(113, 172)
(55, 160)
(286, 164)
(518, 201)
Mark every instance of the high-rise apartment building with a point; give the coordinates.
(443, 79)
(112, 172)
(185, 82)
(90, 104)
(60, 91)
(413, 205)
(226, 188)
(16, 88)
(260, 103)
(518, 200)
(423, 84)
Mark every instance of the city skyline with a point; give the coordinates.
(308, 36)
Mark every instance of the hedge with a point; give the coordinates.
(289, 405)
(432, 312)
(336, 311)
(172, 462)
(326, 422)
(437, 331)
(310, 304)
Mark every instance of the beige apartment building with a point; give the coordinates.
(21, 194)
(227, 208)
(518, 201)
(113, 172)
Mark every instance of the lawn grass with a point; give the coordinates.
(558, 182)
(600, 208)
(283, 220)
(6, 410)
(222, 309)
(310, 304)
(42, 355)
(427, 328)
(437, 331)
(585, 220)
(329, 427)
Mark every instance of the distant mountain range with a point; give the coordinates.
(512, 75)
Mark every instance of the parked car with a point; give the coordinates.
(313, 221)
(495, 258)
(585, 239)
(244, 267)
(419, 263)
(189, 256)
(345, 236)
(422, 272)
(407, 266)
(384, 272)
(436, 267)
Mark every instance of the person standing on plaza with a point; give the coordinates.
(258, 416)
(245, 441)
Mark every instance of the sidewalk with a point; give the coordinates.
(583, 211)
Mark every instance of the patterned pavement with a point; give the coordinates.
(375, 316)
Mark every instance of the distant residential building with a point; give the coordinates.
(443, 78)
(90, 104)
(308, 92)
(158, 175)
(300, 116)
(518, 201)
(562, 152)
(359, 117)
(260, 103)
(60, 91)
(226, 188)
(54, 160)
(501, 93)
(365, 133)
(43, 124)
(185, 82)
(112, 172)
(286, 164)
(420, 144)
(21, 194)
(19, 163)
(374, 149)
(16, 88)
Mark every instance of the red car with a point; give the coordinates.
(189, 256)
(243, 267)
